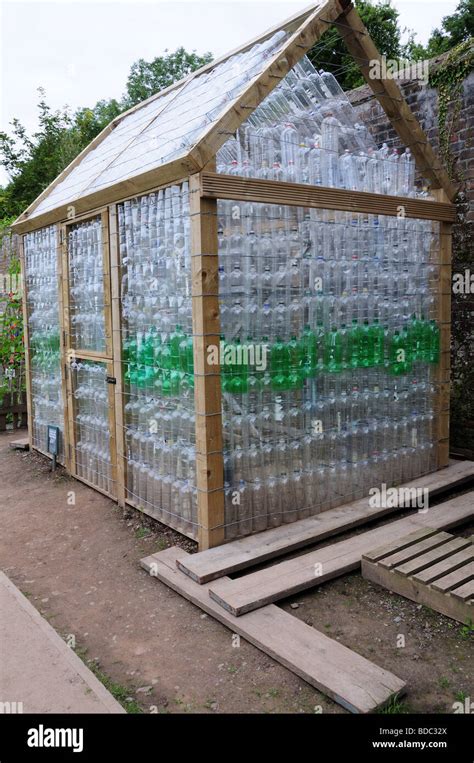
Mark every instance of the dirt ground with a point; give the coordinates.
(79, 565)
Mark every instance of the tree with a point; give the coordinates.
(149, 77)
(331, 54)
(34, 162)
(455, 29)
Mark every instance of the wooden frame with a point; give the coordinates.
(206, 186)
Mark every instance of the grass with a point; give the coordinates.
(119, 692)
(460, 696)
(466, 631)
(395, 707)
(142, 532)
(443, 683)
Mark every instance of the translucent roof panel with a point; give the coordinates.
(165, 128)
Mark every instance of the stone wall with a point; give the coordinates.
(424, 102)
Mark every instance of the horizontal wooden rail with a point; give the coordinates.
(217, 186)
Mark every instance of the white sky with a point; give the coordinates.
(81, 51)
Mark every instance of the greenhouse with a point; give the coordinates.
(237, 303)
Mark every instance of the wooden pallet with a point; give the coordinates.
(430, 567)
(290, 576)
(349, 679)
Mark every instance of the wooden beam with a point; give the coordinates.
(26, 342)
(390, 97)
(444, 321)
(62, 280)
(93, 203)
(217, 186)
(207, 383)
(115, 273)
(279, 65)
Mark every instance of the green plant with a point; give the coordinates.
(395, 707)
(119, 692)
(443, 682)
(142, 532)
(448, 78)
(467, 630)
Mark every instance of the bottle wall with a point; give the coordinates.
(329, 351)
(158, 356)
(92, 423)
(306, 131)
(42, 284)
(86, 286)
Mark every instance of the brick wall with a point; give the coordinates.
(423, 100)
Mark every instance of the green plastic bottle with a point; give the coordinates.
(333, 351)
(176, 337)
(434, 344)
(226, 371)
(399, 355)
(366, 346)
(296, 374)
(310, 352)
(425, 339)
(355, 338)
(377, 342)
(320, 346)
(414, 333)
(280, 365)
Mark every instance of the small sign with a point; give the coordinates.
(111, 380)
(53, 440)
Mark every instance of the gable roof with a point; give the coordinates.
(178, 131)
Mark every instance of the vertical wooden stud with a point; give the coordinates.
(115, 278)
(444, 321)
(26, 339)
(207, 383)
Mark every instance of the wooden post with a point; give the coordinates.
(207, 383)
(26, 341)
(63, 356)
(117, 355)
(444, 320)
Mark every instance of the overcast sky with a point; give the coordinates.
(81, 51)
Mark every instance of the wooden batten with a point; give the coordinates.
(217, 186)
(444, 321)
(116, 310)
(207, 384)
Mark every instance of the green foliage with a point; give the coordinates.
(455, 29)
(33, 162)
(331, 54)
(149, 77)
(448, 78)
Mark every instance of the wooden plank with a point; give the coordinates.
(21, 444)
(62, 281)
(207, 383)
(464, 592)
(400, 543)
(112, 429)
(294, 575)
(455, 578)
(346, 677)
(447, 604)
(255, 549)
(92, 203)
(106, 281)
(219, 186)
(407, 554)
(115, 279)
(431, 557)
(441, 568)
(390, 97)
(278, 67)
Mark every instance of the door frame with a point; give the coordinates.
(71, 353)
